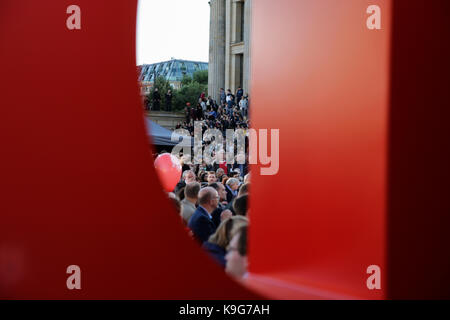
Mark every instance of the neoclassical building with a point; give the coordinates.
(229, 46)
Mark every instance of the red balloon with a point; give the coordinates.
(168, 168)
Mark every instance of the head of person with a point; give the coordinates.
(220, 172)
(191, 191)
(220, 190)
(233, 183)
(240, 205)
(211, 177)
(243, 189)
(188, 176)
(226, 230)
(247, 178)
(180, 194)
(203, 175)
(208, 198)
(224, 179)
(236, 257)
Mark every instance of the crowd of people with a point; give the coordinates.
(212, 199)
(213, 206)
(230, 113)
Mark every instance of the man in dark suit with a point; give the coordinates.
(201, 222)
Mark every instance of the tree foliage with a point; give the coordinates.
(191, 88)
(201, 77)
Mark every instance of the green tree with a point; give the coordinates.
(188, 93)
(201, 76)
(191, 88)
(186, 80)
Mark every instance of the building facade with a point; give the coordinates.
(229, 46)
(173, 71)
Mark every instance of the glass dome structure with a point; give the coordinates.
(173, 70)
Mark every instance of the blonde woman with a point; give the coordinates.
(218, 242)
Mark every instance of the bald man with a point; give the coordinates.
(201, 222)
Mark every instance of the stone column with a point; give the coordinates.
(247, 46)
(228, 18)
(216, 66)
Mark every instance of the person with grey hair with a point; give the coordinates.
(201, 223)
(219, 173)
(188, 176)
(232, 187)
(190, 200)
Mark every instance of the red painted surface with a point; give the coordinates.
(77, 184)
(322, 78)
(361, 138)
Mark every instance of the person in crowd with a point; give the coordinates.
(201, 222)
(222, 212)
(247, 178)
(203, 178)
(190, 200)
(243, 105)
(156, 100)
(169, 100)
(187, 112)
(232, 185)
(236, 172)
(198, 112)
(222, 96)
(243, 190)
(218, 242)
(203, 105)
(211, 178)
(185, 159)
(240, 205)
(236, 257)
(225, 179)
(192, 112)
(188, 176)
(180, 194)
(219, 174)
(239, 94)
(229, 99)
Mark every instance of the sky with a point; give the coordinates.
(172, 28)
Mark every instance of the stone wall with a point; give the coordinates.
(167, 120)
